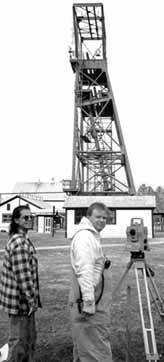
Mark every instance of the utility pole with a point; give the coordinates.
(53, 221)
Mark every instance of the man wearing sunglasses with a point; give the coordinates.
(19, 294)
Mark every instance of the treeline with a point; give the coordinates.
(158, 192)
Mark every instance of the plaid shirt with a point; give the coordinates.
(19, 279)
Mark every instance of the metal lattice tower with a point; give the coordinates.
(100, 161)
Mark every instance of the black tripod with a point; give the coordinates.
(141, 268)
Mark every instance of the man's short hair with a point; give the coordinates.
(97, 206)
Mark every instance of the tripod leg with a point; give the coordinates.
(116, 290)
(155, 295)
(148, 333)
(128, 329)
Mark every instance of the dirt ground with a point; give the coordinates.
(53, 323)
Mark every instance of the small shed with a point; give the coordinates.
(122, 209)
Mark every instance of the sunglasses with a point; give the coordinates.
(26, 217)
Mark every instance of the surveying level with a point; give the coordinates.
(137, 235)
(144, 280)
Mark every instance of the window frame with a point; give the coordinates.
(6, 218)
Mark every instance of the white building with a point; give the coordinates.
(49, 192)
(41, 212)
(123, 209)
(46, 199)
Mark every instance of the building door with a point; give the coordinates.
(47, 225)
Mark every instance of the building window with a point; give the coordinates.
(111, 220)
(79, 213)
(8, 207)
(6, 218)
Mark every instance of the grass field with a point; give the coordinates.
(53, 324)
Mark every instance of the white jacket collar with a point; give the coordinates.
(84, 224)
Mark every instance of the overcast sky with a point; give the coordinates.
(37, 87)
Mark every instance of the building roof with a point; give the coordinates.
(32, 201)
(45, 191)
(123, 202)
(54, 196)
(37, 187)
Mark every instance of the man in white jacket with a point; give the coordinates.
(90, 294)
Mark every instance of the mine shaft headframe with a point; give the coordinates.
(89, 26)
(100, 161)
